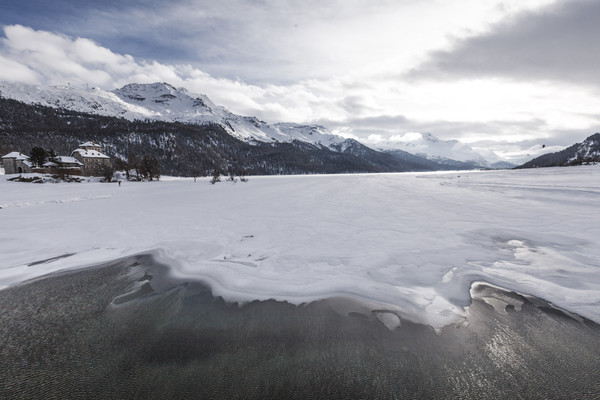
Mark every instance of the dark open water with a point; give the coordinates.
(86, 334)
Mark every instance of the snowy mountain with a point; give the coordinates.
(163, 102)
(588, 151)
(448, 152)
(185, 149)
(580, 153)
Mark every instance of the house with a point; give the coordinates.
(87, 159)
(89, 154)
(16, 163)
(91, 146)
(71, 164)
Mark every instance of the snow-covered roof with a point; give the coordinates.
(68, 160)
(49, 164)
(17, 156)
(90, 153)
(89, 144)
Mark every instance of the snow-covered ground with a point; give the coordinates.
(411, 243)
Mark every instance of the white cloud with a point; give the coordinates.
(57, 59)
(407, 137)
(13, 70)
(374, 138)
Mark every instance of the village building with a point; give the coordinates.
(90, 155)
(87, 159)
(91, 146)
(67, 164)
(16, 163)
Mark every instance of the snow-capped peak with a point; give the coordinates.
(429, 137)
(92, 101)
(168, 103)
(164, 97)
(315, 134)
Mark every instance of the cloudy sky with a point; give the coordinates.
(502, 75)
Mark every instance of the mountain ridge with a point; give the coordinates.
(448, 152)
(162, 101)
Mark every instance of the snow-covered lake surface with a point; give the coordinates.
(411, 243)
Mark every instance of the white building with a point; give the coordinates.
(16, 163)
(90, 155)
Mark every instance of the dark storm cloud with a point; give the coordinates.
(559, 42)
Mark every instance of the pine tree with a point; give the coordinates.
(216, 177)
(38, 156)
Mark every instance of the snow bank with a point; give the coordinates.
(408, 243)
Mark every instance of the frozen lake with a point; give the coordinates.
(336, 276)
(411, 243)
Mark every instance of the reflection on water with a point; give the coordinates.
(127, 331)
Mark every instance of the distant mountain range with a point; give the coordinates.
(580, 153)
(448, 152)
(163, 103)
(187, 149)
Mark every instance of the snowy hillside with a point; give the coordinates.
(310, 134)
(441, 151)
(586, 152)
(407, 243)
(93, 101)
(161, 101)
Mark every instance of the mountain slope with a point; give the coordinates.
(183, 149)
(387, 160)
(577, 154)
(163, 102)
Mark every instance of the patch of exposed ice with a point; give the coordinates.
(388, 318)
